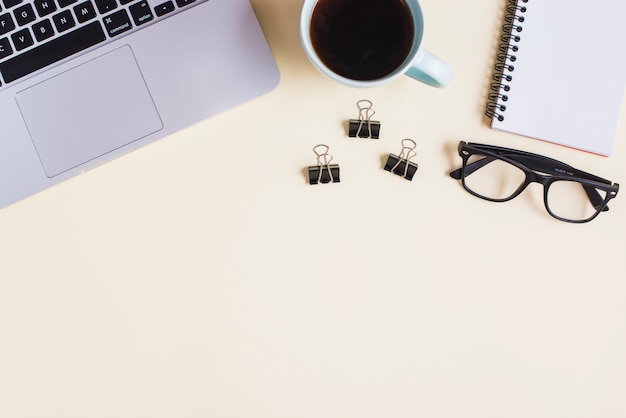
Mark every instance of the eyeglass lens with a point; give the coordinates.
(499, 180)
(568, 200)
(493, 179)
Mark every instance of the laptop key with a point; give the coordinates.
(45, 7)
(10, 3)
(6, 24)
(183, 3)
(105, 6)
(43, 30)
(141, 12)
(164, 8)
(84, 11)
(24, 14)
(50, 52)
(5, 48)
(117, 23)
(22, 39)
(63, 21)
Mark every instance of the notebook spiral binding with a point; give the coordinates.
(505, 59)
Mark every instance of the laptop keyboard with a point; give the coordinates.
(35, 34)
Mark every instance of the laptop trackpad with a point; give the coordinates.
(89, 111)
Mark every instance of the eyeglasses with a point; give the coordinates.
(500, 174)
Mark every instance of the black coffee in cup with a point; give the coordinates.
(362, 39)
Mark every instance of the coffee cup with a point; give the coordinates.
(367, 43)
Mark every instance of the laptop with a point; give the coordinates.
(85, 81)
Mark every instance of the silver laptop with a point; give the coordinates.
(85, 81)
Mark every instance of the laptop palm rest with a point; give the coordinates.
(100, 106)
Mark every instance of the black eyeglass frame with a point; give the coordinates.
(537, 169)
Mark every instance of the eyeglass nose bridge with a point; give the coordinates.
(542, 179)
(534, 177)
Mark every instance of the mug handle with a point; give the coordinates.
(430, 69)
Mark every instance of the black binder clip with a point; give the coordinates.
(364, 126)
(323, 172)
(401, 165)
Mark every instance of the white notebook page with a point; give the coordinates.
(569, 75)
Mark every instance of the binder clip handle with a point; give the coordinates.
(401, 164)
(364, 126)
(366, 110)
(322, 153)
(408, 151)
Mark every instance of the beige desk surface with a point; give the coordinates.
(202, 276)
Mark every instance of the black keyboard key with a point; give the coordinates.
(105, 6)
(11, 3)
(65, 3)
(141, 13)
(117, 23)
(22, 39)
(5, 48)
(164, 8)
(24, 14)
(84, 11)
(123, 2)
(183, 3)
(63, 21)
(45, 7)
(43, 30)
(6, 23)
(52, 51)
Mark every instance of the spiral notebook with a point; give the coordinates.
(561, 72)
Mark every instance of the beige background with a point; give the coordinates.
(201, 276)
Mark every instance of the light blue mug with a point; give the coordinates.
(418, 64)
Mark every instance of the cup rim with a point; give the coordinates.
(305, 40)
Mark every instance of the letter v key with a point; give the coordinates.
(22, 39)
